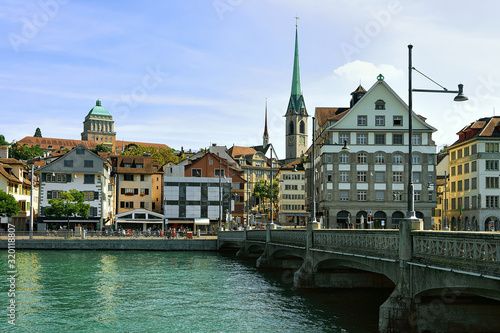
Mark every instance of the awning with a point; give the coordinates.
(202, 221)
(179, 221)
(297, 214)
(139, 221)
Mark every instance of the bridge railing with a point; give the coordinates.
(384, 243)
(256, 235)
(473, 248)
(289, 237)
(232, 236)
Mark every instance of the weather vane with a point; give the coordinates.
(296, 19)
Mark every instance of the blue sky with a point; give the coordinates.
(192, 73)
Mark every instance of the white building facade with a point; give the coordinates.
(86, 172)
(366, 186)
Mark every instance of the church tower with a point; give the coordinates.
(99, 126)
(296, 114)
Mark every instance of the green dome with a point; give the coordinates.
(98, 110)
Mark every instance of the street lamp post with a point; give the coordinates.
(31, 200)
(313, 194)
(248, 198)
(459, 98)
(220, 198)
(445, 203)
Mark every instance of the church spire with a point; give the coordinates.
(296, 105)
(265, 141)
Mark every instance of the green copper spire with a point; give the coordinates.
(296, 104)
(296, 89)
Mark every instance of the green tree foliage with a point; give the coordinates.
(162, 155)
(262, 191)
(101, 148)
(38, 133)
(22, 152)
(2, 141)
(8, 205)
(72, 203)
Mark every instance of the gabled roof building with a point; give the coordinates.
(368, 183)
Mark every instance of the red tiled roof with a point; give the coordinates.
(55, 144)
(323, 114)
(236, 151)
(120, 143)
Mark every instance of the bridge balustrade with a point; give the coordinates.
(471, 248)
(384, 243)
(256, 235)
(232, 236)
(289, 237)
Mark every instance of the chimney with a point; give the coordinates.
(4, 151)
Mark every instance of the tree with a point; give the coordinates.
(72, 203)
(24, 152)
(8, 205)
(38, 133)
(2, 141)
(160, 155)
(101, 148)
(262, 191)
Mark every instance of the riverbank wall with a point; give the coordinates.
(114, 244)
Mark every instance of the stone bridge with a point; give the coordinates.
(441, 281)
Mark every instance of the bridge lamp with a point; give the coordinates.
(460, 97)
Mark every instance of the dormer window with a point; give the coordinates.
(379, 105)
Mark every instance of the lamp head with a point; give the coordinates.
(460, 97)
(345, 148)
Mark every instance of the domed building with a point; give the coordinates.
(99, 126)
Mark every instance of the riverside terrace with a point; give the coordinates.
(441, 281)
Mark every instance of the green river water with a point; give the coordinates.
(140, 291)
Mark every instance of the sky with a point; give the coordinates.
(192, 73)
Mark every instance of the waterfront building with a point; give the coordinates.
(292, 194)
(16, 181)
(366, 186)
(201, 192)
(255, 167)
(473, 200)
(138, 181)
(84, 171)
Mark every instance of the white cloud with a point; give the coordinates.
(366, 71)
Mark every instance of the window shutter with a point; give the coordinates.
(68, 178)
(123, 190)
(131, 204)
(44, 177)
(49, 194)
(146, 191)
(96, 195)
(136, 191)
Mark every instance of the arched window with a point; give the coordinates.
(416, 158)
(302, 127)
(397, 159)
(290, 128)
(379, 105)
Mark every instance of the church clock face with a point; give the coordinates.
(302, 140)
(290, 140)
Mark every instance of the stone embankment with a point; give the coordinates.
(205, 244)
